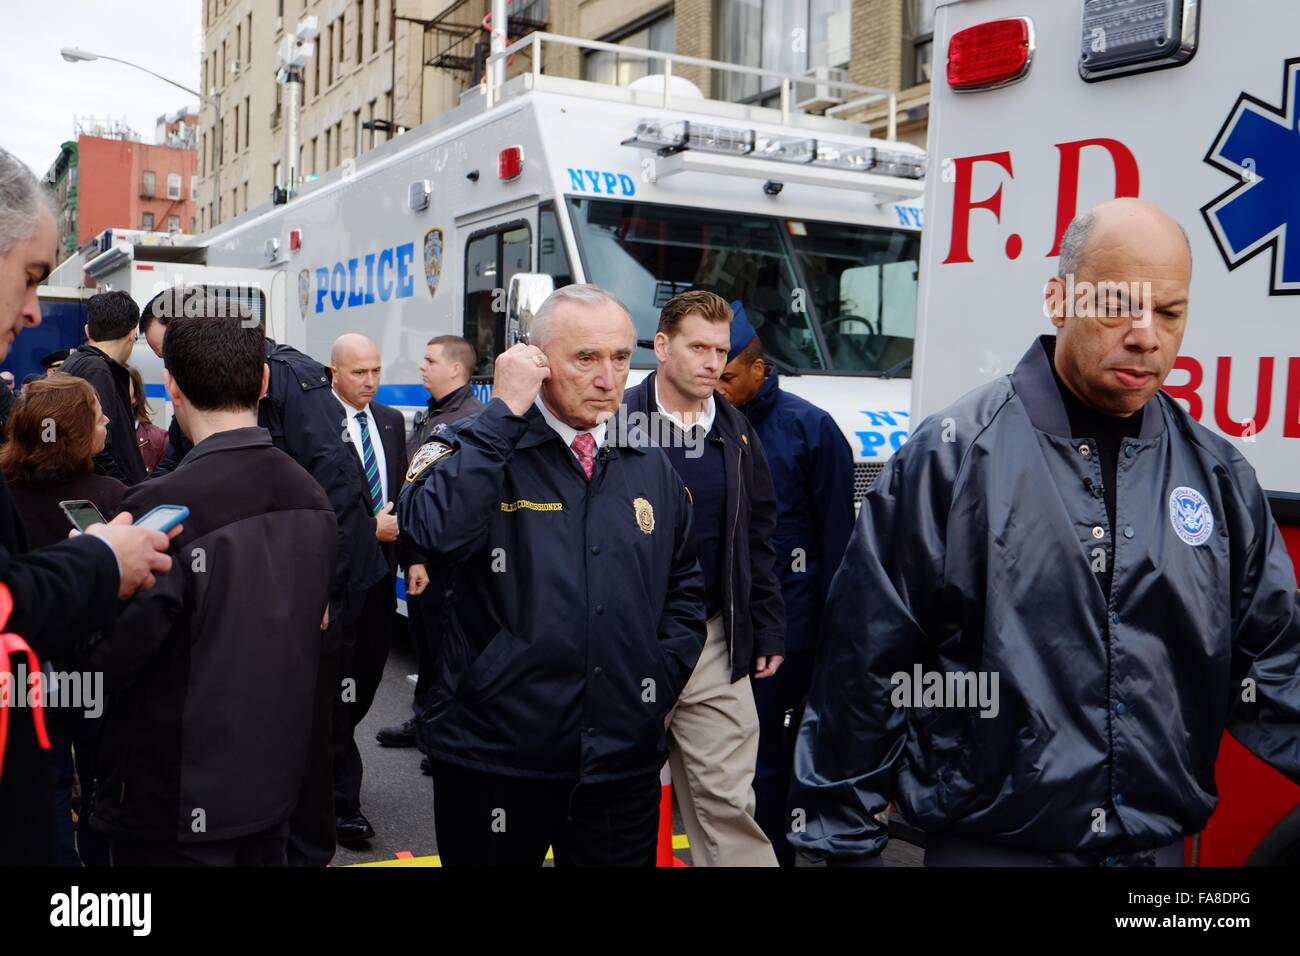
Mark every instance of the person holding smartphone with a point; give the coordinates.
(42, 475)
(65, 591)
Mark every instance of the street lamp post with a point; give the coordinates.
(74, 55)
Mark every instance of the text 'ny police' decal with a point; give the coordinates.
(376, 276)
(1260, 146)
(599, 181)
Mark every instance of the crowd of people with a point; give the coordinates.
(603, 580)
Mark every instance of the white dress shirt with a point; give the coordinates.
(702, 419)
(376, 442)
(567, 432)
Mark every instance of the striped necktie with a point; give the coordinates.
(370, 464)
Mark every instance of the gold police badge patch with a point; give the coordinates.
(427, 454)
(645, 515)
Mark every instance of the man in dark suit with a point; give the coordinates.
(377, 435)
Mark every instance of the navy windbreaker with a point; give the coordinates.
(974, 552)
(575, 609)
(812, 472)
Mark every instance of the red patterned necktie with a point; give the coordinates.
(585, 446)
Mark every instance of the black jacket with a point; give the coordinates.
(752, 611)
(61, 594)
(575, 609)
(111, 379)
(211, 674)
(448, 410)
(1099, 716)
(306, 422)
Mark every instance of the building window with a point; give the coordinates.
(361, 30)
(236, 127)
(356, 133)
(313, 155)
(173, 185)
(329, 134)
(918, 41)
(338, 142)
(194, 188)
(392, 20)
(374, 137)
(759, 33)
(329, 62)
(239, 44)
(146, 222)
(315, 66)
(601, 66)
(173, 223)
(147, 184)
(392, 124)
(275, 175)
(248, 114)
(222, 80)
(248, 35)
(374, 27)
(192, 224)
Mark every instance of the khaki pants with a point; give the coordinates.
(712, 747)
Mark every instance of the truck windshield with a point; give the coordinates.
(823, 296)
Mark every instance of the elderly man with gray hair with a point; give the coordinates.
(575, 606)
(55, 596)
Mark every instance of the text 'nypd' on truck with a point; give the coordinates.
(1048, 108)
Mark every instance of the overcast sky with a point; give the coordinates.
(40, 93)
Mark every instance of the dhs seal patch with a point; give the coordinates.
(1190, 515)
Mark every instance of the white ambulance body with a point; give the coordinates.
(809, 221)
(1192, 106)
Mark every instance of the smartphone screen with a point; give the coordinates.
(81, 513)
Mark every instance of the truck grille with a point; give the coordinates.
(864, 473)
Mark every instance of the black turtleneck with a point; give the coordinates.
(1107, 433)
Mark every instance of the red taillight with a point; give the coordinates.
(990, 54)
(510, 163)
(295, 239)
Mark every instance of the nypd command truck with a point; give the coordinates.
(646, 190)
(1047, 108)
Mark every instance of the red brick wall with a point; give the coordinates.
(111, 174)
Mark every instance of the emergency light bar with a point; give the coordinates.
(675, 138)
(1122, 37)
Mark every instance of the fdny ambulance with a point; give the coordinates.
(464, 223)
(1047, 107)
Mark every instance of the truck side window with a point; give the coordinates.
(491, 258)
(552, 259)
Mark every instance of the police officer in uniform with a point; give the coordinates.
(575, 604)
(812, 473)
(448, 362)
